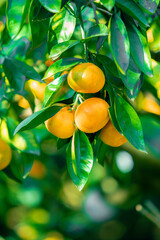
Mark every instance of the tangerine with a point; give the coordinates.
(61, 124)
(110, 136)
(92, 115)
(5, 154)
(37, 88)
(86, 78)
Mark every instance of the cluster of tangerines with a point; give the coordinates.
(90, 115)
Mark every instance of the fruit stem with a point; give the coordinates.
(78, 98)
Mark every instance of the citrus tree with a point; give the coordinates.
(89, 70)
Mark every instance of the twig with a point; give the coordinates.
(105, 11)
(94, 10)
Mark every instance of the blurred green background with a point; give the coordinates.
(122, 197)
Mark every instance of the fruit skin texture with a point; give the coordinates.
(5, 154)
(61, 124)
(86, 78)
(92, 115)
(110, 136)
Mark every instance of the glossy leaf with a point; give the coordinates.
(27, 70)
(61, 27)
(79, 159)
(132, 9)
(109, 64)
(59, 48)
(139, 48)
(52, 6)
(39, 29)
(24, 141)
(16, 13)
(2, 88)
(37, 118)
(17, 48)
(55, 91)
(20, 166)
(129, 123)
(96, 31)
(15, 77)
(62, 142)
(132, 78)
(119, 43)
(111, 109)
(109, 4)
(133, 92)
(151, 128)
(61, 65)
(149, 5)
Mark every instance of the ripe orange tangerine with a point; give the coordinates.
(38, 170)
(5, 154)
(110, 136)
(61, 124)
(92, 115)
(86, 78)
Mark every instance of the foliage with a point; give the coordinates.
(120, 37)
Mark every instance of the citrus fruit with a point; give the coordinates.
(61, 124)
(92, 115)
(86, 78)
(110, 136)
(37, 88)
(5, 154)
(38, 170)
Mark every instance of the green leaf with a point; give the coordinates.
(59, 48)
(132, 9)
(15, 170)
(16, 14)
(133, 92)
(154, 36)
(96, 31)
(139, 48)
(61, 27)
(101, 152)
(61, 142)
(151, 129)
(55, 91)
(52, 6)
(37, 118)
(109, 64)
(2, 88)
(111, 109)
(149, 5)
(24, 141)
(26, 70)
(15, 77)
(61, 65)
(129, 123)
(79, 159)
(39, 29)
(16, 49)
(119, 43)
(109, 4)
(20, 166)
(132, 78)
